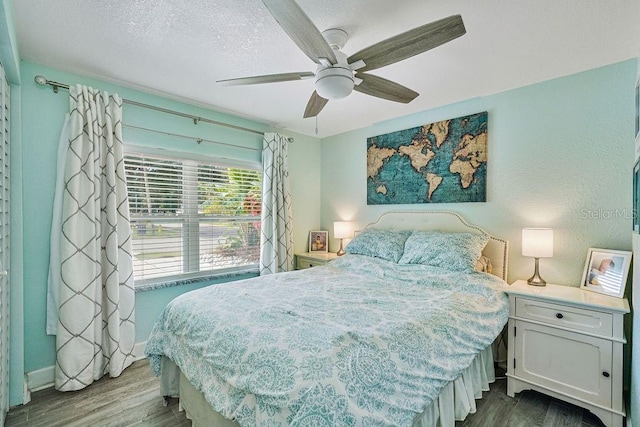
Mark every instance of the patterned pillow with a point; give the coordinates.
(385, 244)
(453, 251)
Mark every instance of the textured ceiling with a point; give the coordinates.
(179, 48)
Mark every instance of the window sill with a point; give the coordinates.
(208, 278)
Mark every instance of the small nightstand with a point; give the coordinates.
(313, 259)
(567, 343)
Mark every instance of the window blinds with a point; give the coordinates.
(191, 218)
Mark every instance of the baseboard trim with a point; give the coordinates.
(26, 394)
(44, 378)
(138, 350)
(40, 379)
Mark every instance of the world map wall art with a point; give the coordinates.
(442, 162)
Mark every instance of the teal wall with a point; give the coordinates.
(43, 112)
(560, 155)
(558, 151)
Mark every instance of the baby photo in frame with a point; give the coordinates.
(605, 271)
(318, 241)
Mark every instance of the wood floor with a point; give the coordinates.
(528, 408)
(133, 400)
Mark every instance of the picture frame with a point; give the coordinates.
(606, 271)
(319, 241)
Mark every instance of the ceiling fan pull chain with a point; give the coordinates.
(316, 124)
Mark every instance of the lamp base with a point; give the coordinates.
(539, 282)
(536, 280)
(340, 251)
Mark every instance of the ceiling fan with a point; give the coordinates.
(337, 75)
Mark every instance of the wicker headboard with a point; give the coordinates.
(497, 249)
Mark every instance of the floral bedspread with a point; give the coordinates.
(359, 342)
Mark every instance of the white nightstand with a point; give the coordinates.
(313, 259)
(567, 342)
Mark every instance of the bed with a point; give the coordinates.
(393, 333)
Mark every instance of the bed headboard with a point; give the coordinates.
(497, 249)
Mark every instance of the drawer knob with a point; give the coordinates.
(559, 315)
(605, 374)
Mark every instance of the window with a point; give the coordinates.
(191, 218)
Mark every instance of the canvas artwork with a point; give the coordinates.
(442, 162)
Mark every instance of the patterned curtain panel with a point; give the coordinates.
(276, 239)
(95, 332)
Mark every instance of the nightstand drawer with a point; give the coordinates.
(574, 318)
(302, 263)
(310, 259)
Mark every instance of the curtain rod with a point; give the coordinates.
(42, 81)
(198, 140)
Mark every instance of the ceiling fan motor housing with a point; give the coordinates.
(336, 81)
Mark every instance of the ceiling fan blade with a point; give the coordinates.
(410, 43)
(315, 105)
(386, 89)
(270, 78)
(300, 29)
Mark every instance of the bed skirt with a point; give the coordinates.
(454, 403)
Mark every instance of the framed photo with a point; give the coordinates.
(318, 241)
(606, 271)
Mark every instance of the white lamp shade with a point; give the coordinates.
(537, 242)
(342, 230)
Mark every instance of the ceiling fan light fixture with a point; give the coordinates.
(334, 82)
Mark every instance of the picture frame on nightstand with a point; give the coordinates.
(606, 271)
(318, 241)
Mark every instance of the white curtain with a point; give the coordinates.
(91, 272)
(276, 239)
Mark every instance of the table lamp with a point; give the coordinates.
(537, 243)
(342, 230)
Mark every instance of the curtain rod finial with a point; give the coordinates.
(41, 80)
